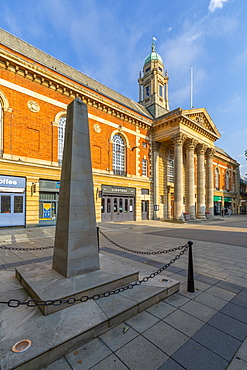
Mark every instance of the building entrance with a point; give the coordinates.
(117, 204)
(145, 206)
(117, 209)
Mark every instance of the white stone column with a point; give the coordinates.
(190, 178)
(178, 141)
(200, 149)
(210, 181)
(156, 147)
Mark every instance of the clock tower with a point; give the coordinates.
(153, 84)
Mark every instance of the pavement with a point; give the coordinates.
(206, 329)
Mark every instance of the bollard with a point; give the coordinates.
(98, 237)
(190, 281)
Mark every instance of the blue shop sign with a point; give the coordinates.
(12, 182)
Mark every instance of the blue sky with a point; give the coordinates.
(109, 40)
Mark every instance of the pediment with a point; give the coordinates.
(202, 119)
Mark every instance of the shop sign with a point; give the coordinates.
(227, 199)
(145, 191)
(47, 210)
(217, 199)
(12, 182)
(118, 190)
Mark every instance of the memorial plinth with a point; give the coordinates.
(75, 270)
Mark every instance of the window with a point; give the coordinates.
(18, 204)
(216, 178)
(147, 91)
(118, 156)
(170, 166)
(144, 167)
(5, 204)
(160, 69)
(227, 181)
(144, 145)
(161, 90)
(147, 70)
(61, 134)
(1, 129)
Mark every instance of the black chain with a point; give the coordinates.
(72, 300)
(24, 249)
(139, 252)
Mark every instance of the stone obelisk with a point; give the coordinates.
(75, 247)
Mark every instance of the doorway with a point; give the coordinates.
(117, 209)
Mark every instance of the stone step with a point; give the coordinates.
(55, 335)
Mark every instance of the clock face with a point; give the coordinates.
(33, 106)
(97, 128)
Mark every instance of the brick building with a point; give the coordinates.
(148, 161)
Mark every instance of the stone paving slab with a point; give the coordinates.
(141, 354)
(219, 343)
(229, 325)
(165, 337)
(194, 356)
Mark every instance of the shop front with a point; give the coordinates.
(117, 203)
(227, 204)
(12, 201)
(48, 202)
(217, 205)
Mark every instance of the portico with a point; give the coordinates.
(190, 136)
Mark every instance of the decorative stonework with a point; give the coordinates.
(97, 128)
(178, 138)
(33, 106)
(201, 148)
(210, 152)
(191, 144)
(156, 146)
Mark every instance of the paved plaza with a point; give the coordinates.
(195, 331)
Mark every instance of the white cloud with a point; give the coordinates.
(215, 4)
(169, 29)
(193, 38)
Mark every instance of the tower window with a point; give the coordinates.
(161, 90)
(161, 70)
(147, 70)
(147, 91)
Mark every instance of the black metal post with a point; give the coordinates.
(190, 281)
(98, 237)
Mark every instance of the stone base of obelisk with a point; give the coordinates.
(55, 335)
(43, 283)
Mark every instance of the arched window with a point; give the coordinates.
(61, 133)
(170, 166)
(1, 129)
(227, 181)
(216, 178)
(118, 156)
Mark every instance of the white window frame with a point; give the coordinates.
(170, 166)
(61, 134)
(217, 173)
(144, 167)
(118, 155)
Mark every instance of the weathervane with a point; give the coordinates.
(153, 43)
